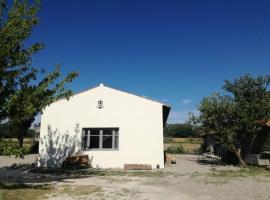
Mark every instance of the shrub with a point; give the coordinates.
(176, 149)
(9, 150)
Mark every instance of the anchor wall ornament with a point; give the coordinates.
(100, 104)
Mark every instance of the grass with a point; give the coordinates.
(190, 145)
(224, 176)
(175, 149)
(39, 192)
(183, 140)
(14, 141)
(80, 190)
(150, 174)
(102, 172)
(250, 171)
(23, 192)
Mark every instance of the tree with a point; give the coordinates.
(35, 98)
(181, 130)
(233, 116)
(16, 24)
(22, 95)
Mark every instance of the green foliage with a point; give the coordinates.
(176, 149)
(183, 140)
(16, 25)
(10, 148)
(189, 145)
(233, 116)
(22, 95)
(7, 130)
(35, 98)
(252, 101)
(181, 130)
(14, 150)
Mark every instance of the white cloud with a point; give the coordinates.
(181, 116)
(186, 101)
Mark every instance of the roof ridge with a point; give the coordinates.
(102, 85)
(143, 97)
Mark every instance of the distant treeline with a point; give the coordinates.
(7, 130)
(181, 130)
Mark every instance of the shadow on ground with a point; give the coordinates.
(29, 174)
(213, 162)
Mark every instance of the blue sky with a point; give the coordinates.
(172, 51)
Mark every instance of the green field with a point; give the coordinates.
(187, 145)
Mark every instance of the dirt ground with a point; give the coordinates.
(190, 179)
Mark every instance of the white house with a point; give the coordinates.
(111, 126)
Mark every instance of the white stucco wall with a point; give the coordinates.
(140, 123)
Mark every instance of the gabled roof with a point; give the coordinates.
(143, 97)
(165, 108)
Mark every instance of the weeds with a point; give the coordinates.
(250, 171)
(38, 192)
(23, 191)
(101, 172)
(224, 176)
(133, 173)
(182, 145)
(80, 190)
(176, 149)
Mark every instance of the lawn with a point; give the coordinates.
(188, 145)
(22, 192)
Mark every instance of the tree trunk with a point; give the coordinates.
(237, 152)
(23, 128)
(21, 134)
(20, 138)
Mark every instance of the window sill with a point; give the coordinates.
(100, 150)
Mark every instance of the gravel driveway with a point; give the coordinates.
(189, 179)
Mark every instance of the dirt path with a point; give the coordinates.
(7, 161)
(189, 179)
